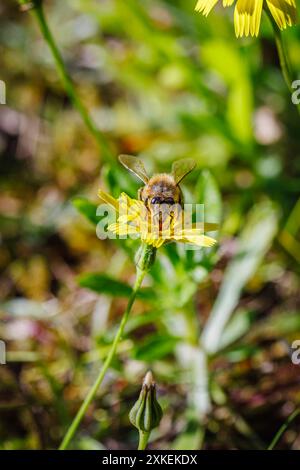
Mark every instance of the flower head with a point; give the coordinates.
(247, 13)
(158, 226)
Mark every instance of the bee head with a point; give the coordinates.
(162, 200)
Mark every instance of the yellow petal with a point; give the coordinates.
(206, 226)
(199, 240)
(193, 236)
(153, 241)
(284, 12)
(247, 15)
(199, 227)
(205, 6)
(227, 3)
(125, 201)
(123, 229)
(130, 209)
(108, 199)
(132, 214)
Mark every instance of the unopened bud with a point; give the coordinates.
(145, 257)
(146, 412)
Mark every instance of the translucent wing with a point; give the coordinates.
(135, 165)
(181, 168)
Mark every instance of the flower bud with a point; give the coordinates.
(146, 412)
(145, 257)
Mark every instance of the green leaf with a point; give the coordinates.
(138, 321)
(88, 443)
(239, 103)
(155, 348)
(117, 181)
(86, 208)
(280, 324)
(232, 68)
(104, 284)
(229, 63)
(238, 326)
(254, 242)
(242, 352)
(207, 192)
(190, 439)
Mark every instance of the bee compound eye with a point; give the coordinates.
(155, 200)
(169, 200)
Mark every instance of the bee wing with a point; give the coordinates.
(135, 165)
(181, 168)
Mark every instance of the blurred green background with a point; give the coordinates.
(164, 83)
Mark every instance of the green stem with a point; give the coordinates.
(282, 55)
(283, 58)
(143, 439)
(38, 12)
(283, 428)
(90, 396)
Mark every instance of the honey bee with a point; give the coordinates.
(161, 188)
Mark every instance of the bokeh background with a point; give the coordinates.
(164, 83)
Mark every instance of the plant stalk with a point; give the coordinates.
(38, 12)
(283, 58)
(284, 61)
(143, 439)
(90, 396)
(283, 428)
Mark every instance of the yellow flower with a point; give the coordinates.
(247, 13)
(155, 228)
